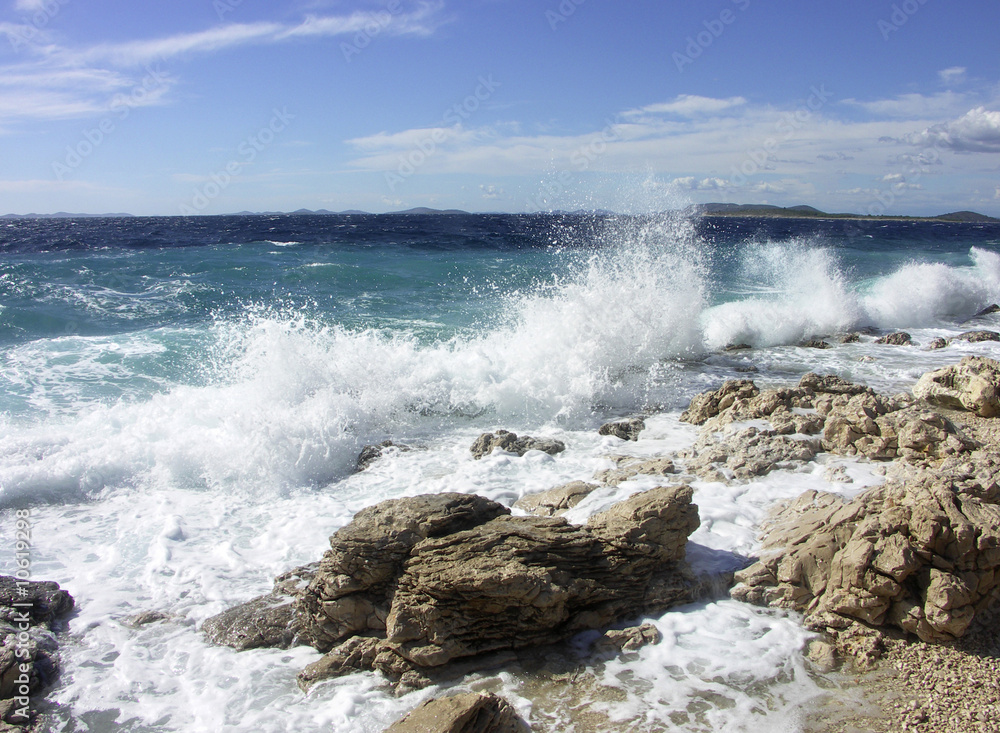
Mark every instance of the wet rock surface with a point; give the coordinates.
(507, 441)
(30, 614)
(462, 713)
(973, 384)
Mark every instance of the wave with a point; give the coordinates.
(293, 398)
(782, 293)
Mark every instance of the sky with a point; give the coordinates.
(221, 106)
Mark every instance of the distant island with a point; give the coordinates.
(809, 212)
(734, 210)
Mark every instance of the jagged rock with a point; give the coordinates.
(555, 501)
(508, 441)
(938, 343)
(748, 453)
(917, 555)
(850, 338)
(624, 429)
(737, 347)
(977, 336)
(629, 467)
(973, 384)
(814, 344)
(499, 582)
(709, 404)
(831, 384)
(988, 310)
(900, 338)
(463, 713)
(351, 592)
(371, 453)
(29, 662)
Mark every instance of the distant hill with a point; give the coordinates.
(425, 210)
(810, 212)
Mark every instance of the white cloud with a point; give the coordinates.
(914, 106)
(977, 131)
(491, 192)
(30, 6)
(687, 105)
(952, 75)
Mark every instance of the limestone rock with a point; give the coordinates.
(624, 429)
(916, 555)
(900, 338)
(463, 713)
(709, 404)
(749, 453)
(938, 343)
(508, 441)
(973, 384)
(401, 603)
(555, 501)
(629, 467)
(352, 589)
(627, 640)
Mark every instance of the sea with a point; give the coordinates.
(183, 402)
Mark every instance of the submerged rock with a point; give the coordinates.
(978, 336)
(815, 344)
(508, 441)
(973, 384)
(938, 343)
(628, 467)
(371, 453)
(900, 338)
(624, 429)
(468, 712)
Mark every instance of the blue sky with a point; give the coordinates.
(219, 106)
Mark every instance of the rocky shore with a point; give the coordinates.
(901, 583)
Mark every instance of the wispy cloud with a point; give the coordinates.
(58, 81)
(687, 105)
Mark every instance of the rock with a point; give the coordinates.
(938, 343)
(145, 618)
(709, 404)
(555, 501)
(265, 621)
(629, 468)
(977, 336)
(737, 347)
(351, 592)
(508, 441)
(29, 614)
(624, 429)
(749, 453)
(401, 598)
(823, 655)
(268, 621)
(973, 384)
(463, 713)
(850, 338)
(988, 310)
(900, 338)
(627, 640)
(814, 344)
(832, 384)
(917, 555)
(371, 453)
